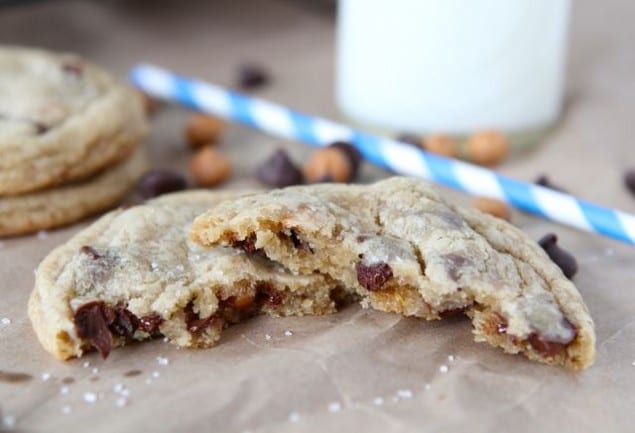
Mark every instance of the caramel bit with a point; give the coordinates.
(487, 147)
(453, 312)
(202, 129)
(373, 277)
(493, 207)
(441, 144)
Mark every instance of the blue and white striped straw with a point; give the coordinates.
(384, 152)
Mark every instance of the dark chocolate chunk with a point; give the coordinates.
(300, 243)
(543, 180)
(124, 323)
(86, 249)
(629, 180)
(549, 347)
(373, 277)
(560, 257)
(279, 171)
(412, 139)
(91, 323)
(151, 323)
(252, 76)
(354, 156)
(157, 182)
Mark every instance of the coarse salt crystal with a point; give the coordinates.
(162, 360)
(267, 337)
(46, 376)
(121, 402)
(443, 368)
(6, 321)
(86, 364)
(288, 333)
(90, 397)
(118, 387)
(404, 393)
(451, 358)
(125, 392)
(335, 407)
(65, 390)
(95, 370)
(154, 266)
(155, 374)
(378, 401)
(427, 386)
(294, 417)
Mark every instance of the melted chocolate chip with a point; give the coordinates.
(158, 182)
(124, 324)
(92, 325)
(543, 180)
(151, 323)
(560, 257)
(455, 262)
(252, 76)
(11, 377)
(373, 277)
(299, 243)
(279, 171)
(86, 249)
(265, 292)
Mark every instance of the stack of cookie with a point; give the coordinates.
(69, 134)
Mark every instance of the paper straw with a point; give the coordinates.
(388, 153)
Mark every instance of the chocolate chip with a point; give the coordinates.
(86, 249)
(124, 324)
(252, 76)
(92, 326)
(549, 347)
(543, 180)
(411, 139)
(151, 323)
(299, 243)
(454, 263)
(373, 277)
(560, 257)
(629, 180)
(40, 128)
(354, 156)
(72, 69)
(279, 171)
(194, 323)
(453, 312)
(265, 292)
(157, 182)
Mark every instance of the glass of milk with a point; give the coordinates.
(452, 66)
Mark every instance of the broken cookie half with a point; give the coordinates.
(401, 248)
(134, 275)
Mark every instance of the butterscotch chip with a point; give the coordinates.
(487, 147)
(202, 129)
(209, 167)
(440, 144)
(330, 164)
(493, 207)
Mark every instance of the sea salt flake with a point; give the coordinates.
(162, 360)
(378, 401)
(180, 268)
(443, 368)
(6, 321)
(155, 374)
(46, 376)
(267, 337)
(95, 370)
(294, 417)
(65, 390)
(118, 387)
(121, 402)
(288, 333)
(335, 407)
(90, 397)
(404, 393)
(86, 364)
(125, 392)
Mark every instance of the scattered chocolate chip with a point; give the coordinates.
(543, 180)
(157, 182)
(151, 323)
(412, 139)
(72, 69)
(354, 156)
(560, 257)
(86, 249)
(92, 325)
(252, 76)
(549, 347)
(373, 277)
(124, 324)
(132, 373)
(265, 292)
(279, 171)
(299, 243)
(11, 377)
(629, 180)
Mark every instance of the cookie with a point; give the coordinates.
(134, 275)
(69, 203)
(62, 119)
(403, 249)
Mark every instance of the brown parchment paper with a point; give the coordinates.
(356, 370)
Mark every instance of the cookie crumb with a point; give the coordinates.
(335, 407)
(294, 417)
(443, 368)
(404, 393)
(162, 360)
(378, 401)
(90, 397)
(66, 409)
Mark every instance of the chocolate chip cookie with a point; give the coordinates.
(71, 202)
(62, 119)
(135, 275)
(403, 249)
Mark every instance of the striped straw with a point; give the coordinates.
(384, 152)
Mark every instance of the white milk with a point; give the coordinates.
(452, 65)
